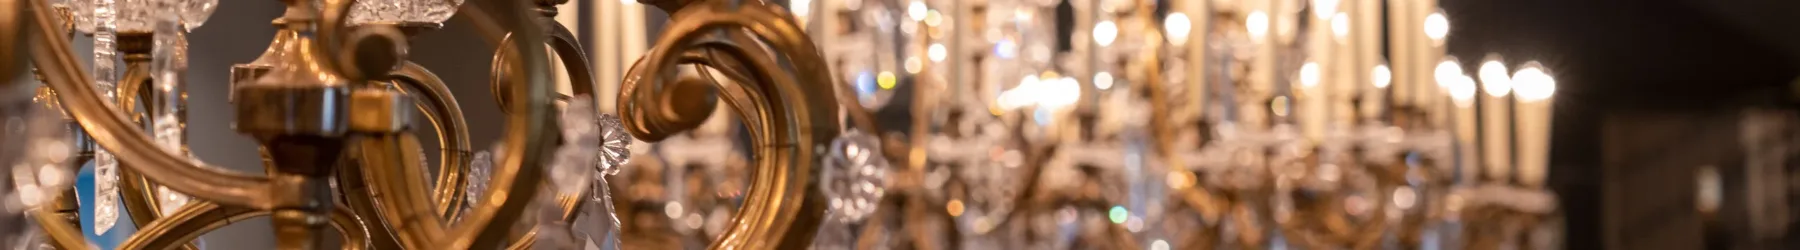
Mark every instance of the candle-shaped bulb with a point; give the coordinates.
(1534, 88)
(1310, 75)
(1381, 76)
(1493, 77)
(1437, 26)
(1462, 90)
(1178, 26)
(1257, 23)
(1324, 8)
(1447, 72)
(1105, 32)
(1532, 83)
(1340, 26)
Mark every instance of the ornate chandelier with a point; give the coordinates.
(1119, 124)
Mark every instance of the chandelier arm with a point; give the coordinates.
(61, 232)
(187, 224)
(199, 218)
(113, 131)
(359, 198)
(784, 205)
(390, 169)
(446, 116)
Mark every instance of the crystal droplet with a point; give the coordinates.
(855, 176)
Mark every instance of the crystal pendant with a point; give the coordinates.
(855, 176)
(402, 11)
(481, 168)
(140, 15)
(615, 147)
(106, 176)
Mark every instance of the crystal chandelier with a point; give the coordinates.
(1105, 124)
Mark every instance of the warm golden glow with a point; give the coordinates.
(914, 65)
(1103, 80)
(1437, 26)
(1258, 25)
(1105, 32)
(1178, 25)
(1533, 83)
(1447, 71)
(1493, 76)
(886, 80)
(955, 207)
(1310, 75)
(1381, 76)
(1340, 26)
(937, 52)
(917, 10)
(1324, 8)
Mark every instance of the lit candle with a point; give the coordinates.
(1496, 115)
(1535, 90)
(1462, 97)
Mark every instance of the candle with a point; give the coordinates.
(1535, 90)
(1496, 116)
(1462, 96)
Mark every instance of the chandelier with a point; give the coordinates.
(1122, 124)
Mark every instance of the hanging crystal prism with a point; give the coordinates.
(168, 62)
(481, 168)
(855, 176)
(106, 176)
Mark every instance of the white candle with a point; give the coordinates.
(1535, 90)
(1496, 130)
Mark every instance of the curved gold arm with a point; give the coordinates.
(62, 233)
(111, 129)
(199, 218)
(568, 50)
(788, 116)
(445, 114)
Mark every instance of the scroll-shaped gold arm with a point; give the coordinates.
(408, 208)
(790, 109)
(199, 218)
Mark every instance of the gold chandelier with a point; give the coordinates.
(1218, 124)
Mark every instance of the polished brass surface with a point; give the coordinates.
(446, 116)
(790, 108)
(380, 111)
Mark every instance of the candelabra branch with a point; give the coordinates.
(445, 115)
(199, 218)
(792, 108)
(110, 128)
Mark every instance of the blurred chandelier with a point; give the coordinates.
(1214, 124)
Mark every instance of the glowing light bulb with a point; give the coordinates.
(1178, 25)
(1258, 24)
(932, 18)
(914, 65)
(1324, 8)
(1534, 83)
(1381, 76)
(1462, 90)
(1493, 77)
(885, 80)
(1447, 72)
(1437, 26)
(1103, 80)
(1340, 26)
(1309, 75)
(1117, 214)
(937, 52)
(801, 8)
(917, 10)
(1105, 32)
